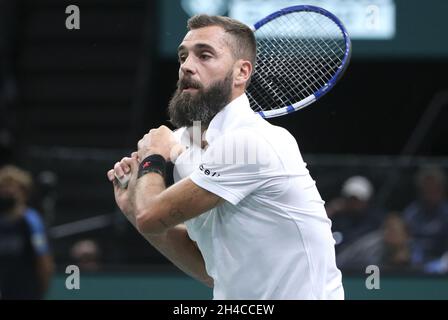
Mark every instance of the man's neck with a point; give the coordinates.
(236, 94)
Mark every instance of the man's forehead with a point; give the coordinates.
(213, 36)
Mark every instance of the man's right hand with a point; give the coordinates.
(123, 197)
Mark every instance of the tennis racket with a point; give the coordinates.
(302, 52)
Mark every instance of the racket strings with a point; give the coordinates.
(306, 80)
(274, 70)
(336, 46)
(331, 45)
(313, 31)
(316, 62)
(286, 48)
(297, 64)
(297, 55)
(277, 71)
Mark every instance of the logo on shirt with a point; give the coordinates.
(207, 172)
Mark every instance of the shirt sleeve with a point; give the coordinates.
(38, 239)
(236, 165)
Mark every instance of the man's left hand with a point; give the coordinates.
(159, 141)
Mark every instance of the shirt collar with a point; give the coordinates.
(233, 115)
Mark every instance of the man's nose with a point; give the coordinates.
(188, 66)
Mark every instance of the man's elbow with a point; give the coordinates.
(148, 223)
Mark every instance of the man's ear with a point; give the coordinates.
(243, 71)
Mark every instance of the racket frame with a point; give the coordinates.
(332, 82)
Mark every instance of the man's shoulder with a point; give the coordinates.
(262, 132)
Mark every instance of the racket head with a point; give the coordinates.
(302, 52)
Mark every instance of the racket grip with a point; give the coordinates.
(123, 181)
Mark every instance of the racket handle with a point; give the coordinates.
(123, 181)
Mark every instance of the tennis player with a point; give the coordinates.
(248, 219)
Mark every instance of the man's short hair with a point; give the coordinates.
(245, 45)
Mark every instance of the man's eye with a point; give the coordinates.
(182, 58)
(205, 56)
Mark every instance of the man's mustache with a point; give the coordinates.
(188, 83)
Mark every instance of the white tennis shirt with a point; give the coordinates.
(271, 238)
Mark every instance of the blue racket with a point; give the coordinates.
(302, 52)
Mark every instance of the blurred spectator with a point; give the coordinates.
(388, 248)
(86, 255)
(427, 218)
(352, 214)
(26, 264)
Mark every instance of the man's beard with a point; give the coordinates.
(185, 107)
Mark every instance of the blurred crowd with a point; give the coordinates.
(414, 239)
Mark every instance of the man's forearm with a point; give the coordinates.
(137, 201)
(176, 245)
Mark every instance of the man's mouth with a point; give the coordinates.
(189, 86)
(189, 89)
